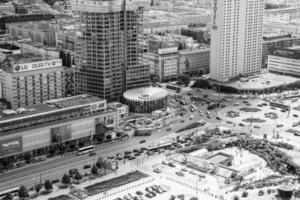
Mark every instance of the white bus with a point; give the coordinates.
(85, 150)
(12, 191)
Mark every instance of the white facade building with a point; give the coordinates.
(236, 38)
(285, 61)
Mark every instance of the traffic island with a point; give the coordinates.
(254, 120)
(250, 109)
(114, 183)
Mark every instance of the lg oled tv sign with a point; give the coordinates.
(37, 65)
(11, 146)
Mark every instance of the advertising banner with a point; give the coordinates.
(11, 146)
(61, 133)
(37, 65)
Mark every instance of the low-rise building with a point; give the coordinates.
(43, 32)
(55, 126)
(194, 61)
(284, 61)
(277, 41)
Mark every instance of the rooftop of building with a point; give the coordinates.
(24, 57)
(7, 46)
(48, 25)
(146, 94)
(286, 53)
(50, 107)
(275, 36)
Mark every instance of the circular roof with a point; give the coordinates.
(146, 93)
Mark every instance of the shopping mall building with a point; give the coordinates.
(55, 126)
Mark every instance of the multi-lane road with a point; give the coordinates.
(56, 167)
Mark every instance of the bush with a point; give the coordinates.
(8, 196)
(245, 194)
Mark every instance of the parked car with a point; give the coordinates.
(241, 124)
(179, 173)
(86, 166)
(73, 171)
(171, 164)
(142, 141)
(168, 129)
(184, 169)
(157, 170)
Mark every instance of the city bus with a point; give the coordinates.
(85, 150)
(12, 191)
(142, 132)
(174, 87)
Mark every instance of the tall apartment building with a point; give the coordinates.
(28, 79)
(236, 38)
(107, 50)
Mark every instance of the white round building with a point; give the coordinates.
(146, 99)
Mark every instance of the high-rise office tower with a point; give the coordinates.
(108, 55)
(236, 38)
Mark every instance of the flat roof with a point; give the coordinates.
(218, 158)
(50, 106)
(8, 46)
(286, 53)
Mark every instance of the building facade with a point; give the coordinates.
(281, 41)
(56, 126)
(194, 62)
(236, 38)
(28, 80)
(284, 61)
(108, 56)
(42, 31)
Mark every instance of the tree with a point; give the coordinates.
(48, 185)
(37, 188)
(201, 83)
(235, 197)
(186, 79)
(27, 157)
(100, 162)
(8, 196)
(65, 179)
(23, 192)
(180, 82)
(78, 176)
(107, 165)
(94, 170)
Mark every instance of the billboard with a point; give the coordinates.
(37, 65)
(11, 146)
(61, 133)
